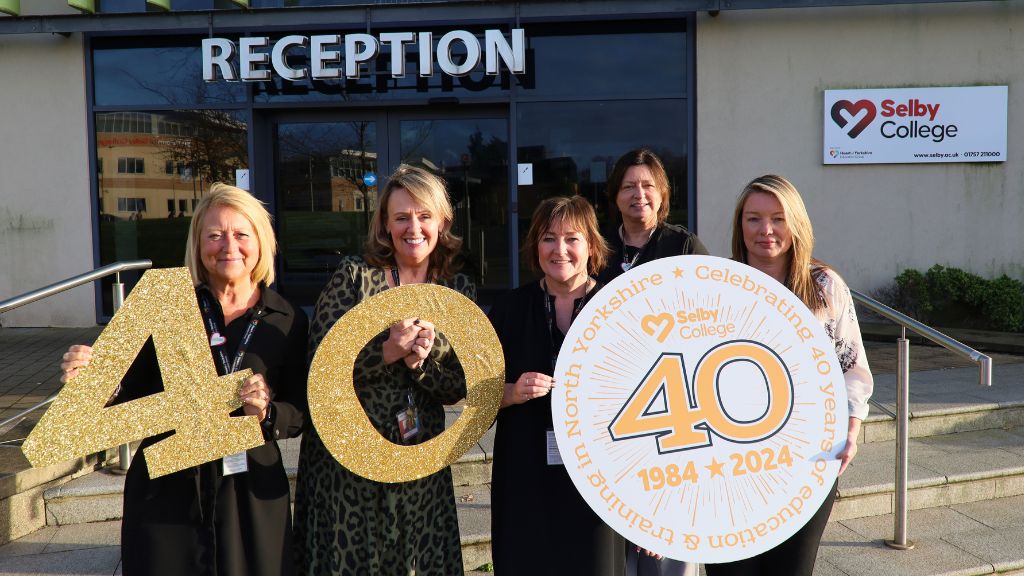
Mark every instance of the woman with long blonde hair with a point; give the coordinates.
(772, 232)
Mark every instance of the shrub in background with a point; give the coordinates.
(951, 297)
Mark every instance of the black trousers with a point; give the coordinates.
(794, 557)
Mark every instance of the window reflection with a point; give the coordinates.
(471, 155)
(162, 75)
(323, 199)
(152, 169)
(609, 62)
(573, 146)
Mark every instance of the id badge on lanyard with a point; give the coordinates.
(232, 463)
(408, 420)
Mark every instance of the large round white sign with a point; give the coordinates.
(699, 408)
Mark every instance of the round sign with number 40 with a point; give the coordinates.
(699, 409)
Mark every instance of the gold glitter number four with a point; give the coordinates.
(340, 419)
(195, 403)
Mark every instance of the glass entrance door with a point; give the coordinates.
(326, 190)
(327, 173)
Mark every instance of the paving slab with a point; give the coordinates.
(1001, 513)
(104, 561)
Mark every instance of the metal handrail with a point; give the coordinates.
(902, 415)
(74, 281)
(58, 287)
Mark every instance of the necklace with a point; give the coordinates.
(628, 262)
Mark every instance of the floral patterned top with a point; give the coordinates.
(840, 321)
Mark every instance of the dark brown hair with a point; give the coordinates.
(639, 157)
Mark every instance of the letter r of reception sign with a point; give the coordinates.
(700, 409)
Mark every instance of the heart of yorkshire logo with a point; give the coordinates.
(865, 109)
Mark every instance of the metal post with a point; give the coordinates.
(899, 540)
(124, 451)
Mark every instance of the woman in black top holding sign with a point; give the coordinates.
(638, 190)
(539, 522)
(230, 516)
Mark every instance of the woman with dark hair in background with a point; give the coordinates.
(639, 192)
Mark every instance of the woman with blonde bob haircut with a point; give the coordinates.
(772, 232)
(347, 524)
(539, 522)
(244, 203)
(231, 516)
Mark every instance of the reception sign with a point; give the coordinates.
(699, 409)
(911, 125)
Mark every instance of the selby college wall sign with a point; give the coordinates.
(332, 56)
(699, 408)
(915, 125)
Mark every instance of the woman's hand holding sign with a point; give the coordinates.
(410, 340)
(528, 386)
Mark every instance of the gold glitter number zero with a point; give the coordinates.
(342, 423)
(195, 403)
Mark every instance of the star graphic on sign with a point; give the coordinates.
(678, 272)
(715, 467)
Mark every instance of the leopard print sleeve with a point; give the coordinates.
(443, 376)
(338, 297)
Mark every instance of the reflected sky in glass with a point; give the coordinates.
(158, 76)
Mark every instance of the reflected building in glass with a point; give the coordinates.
(316, 151)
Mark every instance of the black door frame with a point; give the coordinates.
(388, 148)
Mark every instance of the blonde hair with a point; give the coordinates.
(223, 195)
(575, 213)
(803, 267)
(430, 192)
(640, 157)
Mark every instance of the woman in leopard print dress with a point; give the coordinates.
(346, 524)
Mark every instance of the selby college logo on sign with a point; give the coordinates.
(909, 125)
(699, 408)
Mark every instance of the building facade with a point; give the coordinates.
(114, 134)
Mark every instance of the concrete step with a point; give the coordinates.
(949, 401)
(985, 537)
(943, 470)
(97, 497)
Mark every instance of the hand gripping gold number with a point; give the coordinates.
(339, 418)
(691, 415)
(196, 403)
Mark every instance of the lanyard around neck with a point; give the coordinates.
(214, 329)
(550, 314)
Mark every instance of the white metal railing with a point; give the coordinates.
(902, 416)
(124, 453)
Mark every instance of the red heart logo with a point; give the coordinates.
(853, 109)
